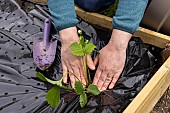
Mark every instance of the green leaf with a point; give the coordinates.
(41, 76)
(92, 89)
(58, 83)
(78, 87)
(53, 96)
(76, 49)
(83, 99)
(89, 48)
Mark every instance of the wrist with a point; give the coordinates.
(119, 39)
(68, 35)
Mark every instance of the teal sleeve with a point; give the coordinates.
(63, 13)
(129, 15)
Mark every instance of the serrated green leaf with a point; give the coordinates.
(83, 99)
(41, 76)
(76, 49)
(93, 89)
(88, 49)
(53, 96)
(78, 87)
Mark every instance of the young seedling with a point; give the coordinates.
(80, 49)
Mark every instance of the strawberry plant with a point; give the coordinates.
(82, 48)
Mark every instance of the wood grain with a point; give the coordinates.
(148, 36)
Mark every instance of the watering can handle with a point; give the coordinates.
(46, 33)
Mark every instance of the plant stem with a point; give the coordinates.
(85, 68)
(89, 77)
(67, 88)
(97, 51)
(76, 77)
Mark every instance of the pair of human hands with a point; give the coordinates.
(111, 59)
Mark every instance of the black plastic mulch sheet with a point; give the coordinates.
(22, 92)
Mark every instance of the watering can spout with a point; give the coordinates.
(46, 33)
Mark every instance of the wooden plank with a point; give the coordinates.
(152, 37)
(148, 36)
(40, 1)
(152, 92)
(95, 18)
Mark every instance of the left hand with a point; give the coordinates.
(72, 64)
(111, 60)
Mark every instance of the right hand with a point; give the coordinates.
(71, 63)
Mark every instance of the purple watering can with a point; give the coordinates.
(43, 50)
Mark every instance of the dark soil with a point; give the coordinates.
(163, 105)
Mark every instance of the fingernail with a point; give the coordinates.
(64, 81)
(110, 87)
(84, 83)
(103, 89)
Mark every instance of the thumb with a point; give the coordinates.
(64, 73)
(96, 60)
(90, 62)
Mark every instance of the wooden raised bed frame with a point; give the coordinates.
(155, 88)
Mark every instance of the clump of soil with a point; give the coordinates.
(163, 105)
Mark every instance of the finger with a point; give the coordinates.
(72, 78)
(101, 80)
(107, 82)
(97, 76)
(82, 76)
(96, 60)
(76, 73)
(114, 80)
(90, 62)
(64, 72)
